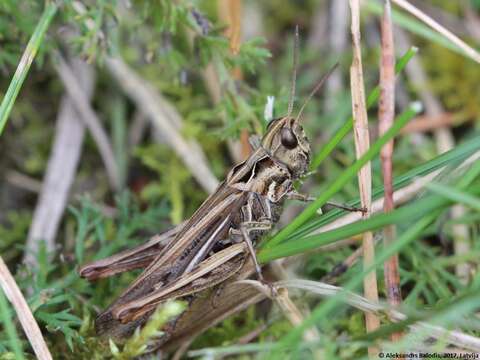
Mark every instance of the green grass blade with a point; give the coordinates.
(25, 63)
(455, 195)
(9, 327)
(346, 176)
(293, 337)
(401, 215)
(413, 232)
(347, 126)
(450, 158)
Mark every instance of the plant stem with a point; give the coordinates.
(347, 126)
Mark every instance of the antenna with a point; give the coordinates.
(294, 74)
(315, 89)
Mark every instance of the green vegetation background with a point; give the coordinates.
(170, 44)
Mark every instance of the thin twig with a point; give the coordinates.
(163, 116)
(25, 316)
(61, 168)
(91, 120)
(467, 49)
(362, 143)
(386, 115)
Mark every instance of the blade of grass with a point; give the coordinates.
(401, 215)
(455, 195)
(292, 338)
(346, 176)
(347, 126)
(9, 327)
(447, 159)
(25, 63)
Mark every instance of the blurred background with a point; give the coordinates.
(132, 112)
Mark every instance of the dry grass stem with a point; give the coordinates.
(319, 33)
(23, 181)
(386, 115)
(445, 142)
(162, 114)
(338, 41)
(426, 123)
(425, 330)
(230, 12)
(472, 21)
(89, 117)
(245, 339)
(25, 316)
(467, 49)
(287, 306)
(362, 143)
(137, 129)
(62, 165)
(293, 314)
(164, 117)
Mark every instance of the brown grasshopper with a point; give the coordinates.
(213, 245)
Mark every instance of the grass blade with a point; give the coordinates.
(292, 338)
(447, 159)
(400, 215)
(25, 63)
(455, 195)
(346, 176)
(9, 327)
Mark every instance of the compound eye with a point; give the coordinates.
(288, 138)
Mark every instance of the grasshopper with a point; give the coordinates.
(214, 244)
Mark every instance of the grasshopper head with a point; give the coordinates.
(286, 141)
(285, 138)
